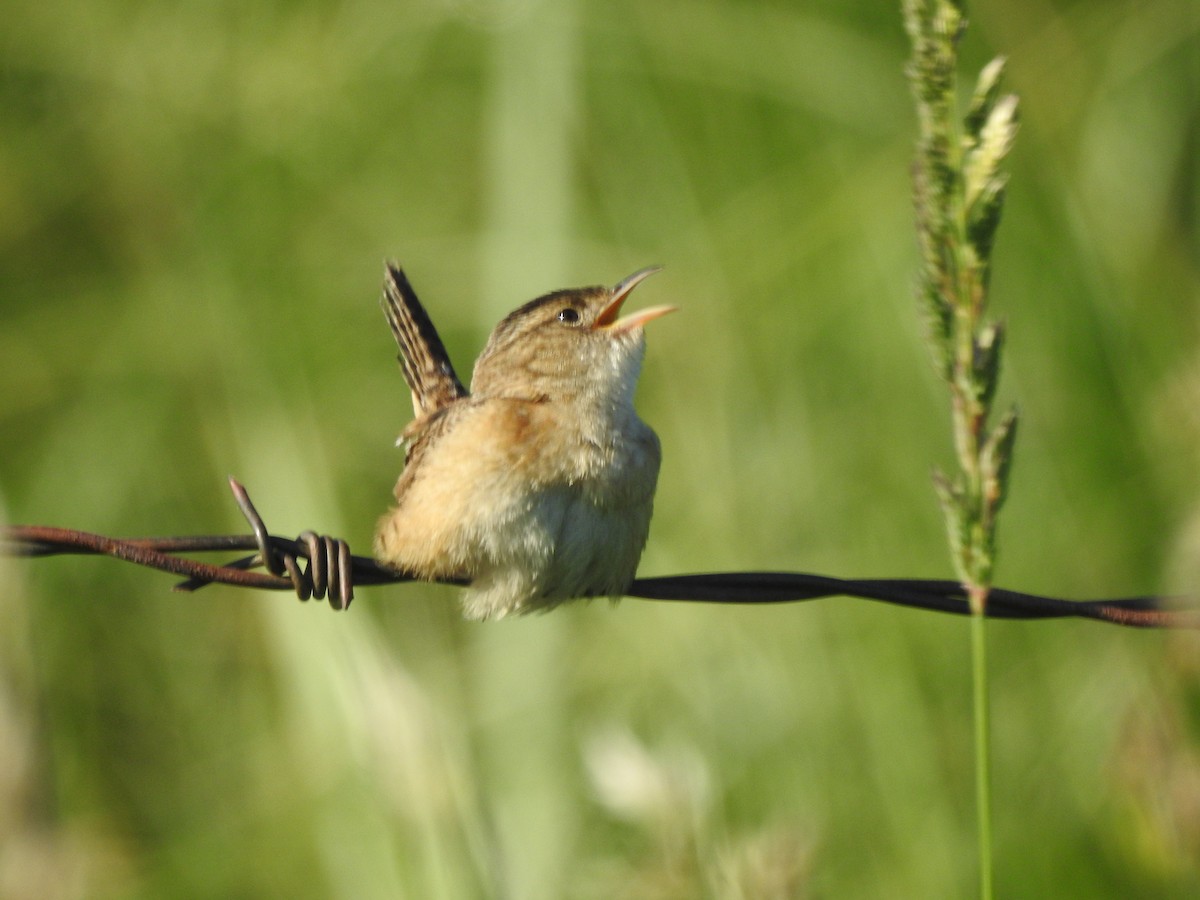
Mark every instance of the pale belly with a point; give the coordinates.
(527, 535)
(581, 539)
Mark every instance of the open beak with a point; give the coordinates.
(608, 316)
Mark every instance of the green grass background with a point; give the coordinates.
(195, 203)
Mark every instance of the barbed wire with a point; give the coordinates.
(331, 571)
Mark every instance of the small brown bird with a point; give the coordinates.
(537, 486)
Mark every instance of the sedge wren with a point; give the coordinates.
(536, 486)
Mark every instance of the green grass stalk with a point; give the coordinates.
(959, 195)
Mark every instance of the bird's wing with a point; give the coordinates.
(417, 438)
(423, 358)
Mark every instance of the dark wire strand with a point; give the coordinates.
(331, 571)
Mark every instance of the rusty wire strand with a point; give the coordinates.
(330, 570)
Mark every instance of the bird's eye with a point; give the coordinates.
(568, 315)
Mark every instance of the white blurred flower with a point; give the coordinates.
(640, 785)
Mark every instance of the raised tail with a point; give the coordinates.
(423, 358)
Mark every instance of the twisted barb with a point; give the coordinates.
(331, 570)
